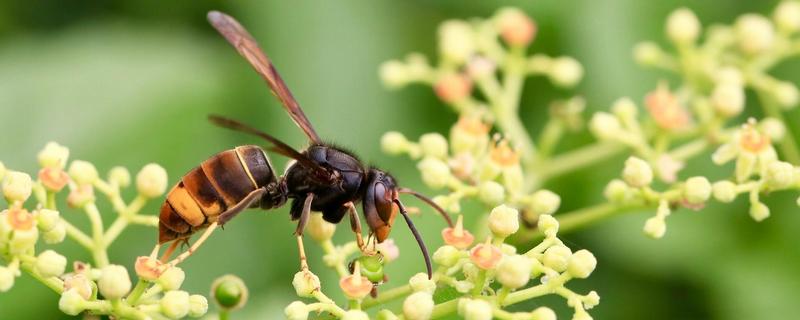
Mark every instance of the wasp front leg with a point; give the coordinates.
(355, 225)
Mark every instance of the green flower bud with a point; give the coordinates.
(543, 313)
(786, 95)
(581, 264)
(617, 191)
(175, 304)
(46, 219)
(17, 186)
(296, 310)
(637, 172)
(171, 279)
(491, 193)
(591, 300)
(50, 264)
(780, 175)
(55, 235)
(53, 155)
(548, 225)
(759, 211)
(435, 173)
(697, 190)
(655, 227)
(151, 181)
(728, 99)
(557, 257)
(446, 256)
(394, 74)
(474, 309)
(230, 292)
(624, 108)
(394, 143)
(755, 33)
(503, 221)
(647, 53)
(355, 315)
(565, 72)
(683, 27)
(605, 126)
(23, 241)
(724, 191)
(787, 16)
(433, 145)
(71, 302)
(198, 306)
(7, 276)
(420, 282)
(83, 172)
(119, 176)
(319, 229)
(386, 314)
(114, 282)
(514, 271)
(418, 306)
(544, 202)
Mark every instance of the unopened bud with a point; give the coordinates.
(175, 304)
(418, 306)
(50, 264)
(114, 282)
(17, 186)
(697, 190)
(683, 27)
(151, 181)
(637, 172)
(53, 155)
(754, 33)
(503, 221)
(230, 292)
(83, 172)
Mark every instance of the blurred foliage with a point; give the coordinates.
(131, 82)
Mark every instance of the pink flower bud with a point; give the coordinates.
(356, 286)
(666, 110)
(458, 237)
(453, 88)
(53, 178)
(485, 255)
(149, 268)
(20, 219)
(516, 28)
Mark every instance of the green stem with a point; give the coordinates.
(137, 291)
(787, 145)
(690, 149)
(444, 308)
(78, 235)
(479, 283)
(99, 250)
(114, 230)
(580, 218)
(224, 314)
(576, 159)
(387, 296)
(53, 283)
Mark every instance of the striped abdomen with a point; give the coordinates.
(208, 190)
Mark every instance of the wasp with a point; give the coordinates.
(323, 177)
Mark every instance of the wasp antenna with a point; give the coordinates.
(430, 202)
(416, 236)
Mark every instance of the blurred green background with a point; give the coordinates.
(127, 83)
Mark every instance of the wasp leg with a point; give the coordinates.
(222, 219)
(301, 224)
(355, 225)
(171, 249)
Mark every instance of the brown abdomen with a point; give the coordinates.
(208, 190)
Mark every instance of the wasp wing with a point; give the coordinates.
(249, 49)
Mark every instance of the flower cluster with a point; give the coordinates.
(461, 266)
(98, 287)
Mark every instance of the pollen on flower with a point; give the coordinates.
(751, 139)
(52, 178)
(503, 155)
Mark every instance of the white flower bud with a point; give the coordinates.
(647, 53)
(394, 74)
(780, 175)
(754, 33)
(198, 306)
(319, 229)
(456, 41)
(71, 302)
(557, 257)
(786, 94)
(604, 126)
(581, 264)
(548, 225)
(728, 99)
(119, 176)
(480, 67)
(175, 304)
(617, 191)
(17, 186)
(47, 219)
(474, 309)
(446, 256)
(83, 172)
(7, 277)
(114, 282)
(683, 27)
(435, 173)
(697, 190)
(394, 143)
(565, 72)
(723, 154)
(53, 155)
(724, 191)
(655, 227)
(624, 108)
(296, 310)
(637, 172)
(386, 314)
(491, 193)
(420, 282)
(23, 240)
(418, 306)
(50, 264)
(759, 211)
(544, 202)
(55, 235)
(433, 145)
(171, 279)
(592, 300)
(305, 283)
(514, 271)
(355, 315)
(543, 313)
(151, 181)
(772, 127)
(503, 221)
(787, 16)
(729, 75)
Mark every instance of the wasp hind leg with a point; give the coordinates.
(301, 225)
(224, 217)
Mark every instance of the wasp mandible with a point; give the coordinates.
(323, 178)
